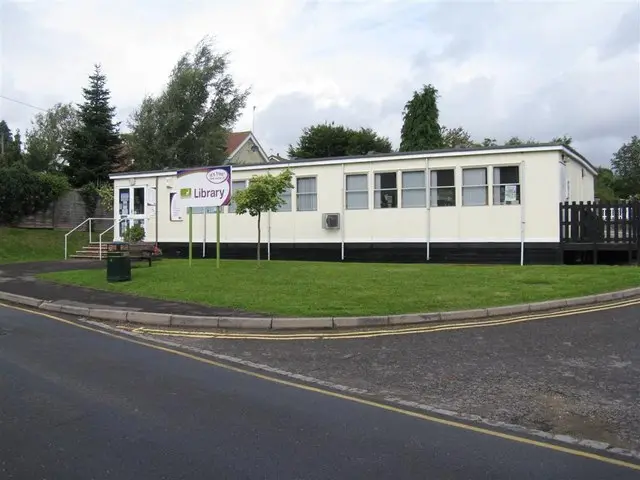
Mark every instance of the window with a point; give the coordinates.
(506, 185)
(235, 186)
(443, 188)
(386, 190)
(357, 192)
(474, 186)
(414, 189)
(306, 195)
(286, 196)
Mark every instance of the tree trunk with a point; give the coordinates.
(258, 248)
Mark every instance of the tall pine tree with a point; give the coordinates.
(420, 128)
(92, 149)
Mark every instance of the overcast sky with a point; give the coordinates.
(528, 68)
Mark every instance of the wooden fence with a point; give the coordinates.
(599, 223)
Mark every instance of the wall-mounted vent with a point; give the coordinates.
(331, 221)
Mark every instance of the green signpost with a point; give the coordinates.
(202, 188)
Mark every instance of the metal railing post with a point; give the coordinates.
(90, 231)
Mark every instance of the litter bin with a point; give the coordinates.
(118, 262)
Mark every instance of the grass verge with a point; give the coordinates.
(35, 245)
(343, 289)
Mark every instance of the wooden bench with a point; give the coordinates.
(144, 251)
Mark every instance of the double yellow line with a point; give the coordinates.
(383, 332)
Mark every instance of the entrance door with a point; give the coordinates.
(131, 209)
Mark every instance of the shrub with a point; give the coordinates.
(24, 192)
(134, 234)
(90, 197)
(105, 191)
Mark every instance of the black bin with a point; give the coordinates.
(118, 262)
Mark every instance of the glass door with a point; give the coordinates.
(131, 209)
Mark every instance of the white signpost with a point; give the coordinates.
(205, 187)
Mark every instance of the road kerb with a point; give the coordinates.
(313, 323)
(197, 321)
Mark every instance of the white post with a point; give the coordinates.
(428, 193)
(342, 210)
(204, 238)
(522, 214)
(90, 231)
(269, 235)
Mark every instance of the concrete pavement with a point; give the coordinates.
(77, 404)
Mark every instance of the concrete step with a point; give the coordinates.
(86, 257)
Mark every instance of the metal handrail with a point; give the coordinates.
(66, 235)
(100, 238)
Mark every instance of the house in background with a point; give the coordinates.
(243, 148)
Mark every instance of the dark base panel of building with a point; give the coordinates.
(466, 253)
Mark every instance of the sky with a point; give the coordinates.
(535, 69)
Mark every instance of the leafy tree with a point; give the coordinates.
(46, 139)
(605, 185)
(456, 138)
(92, 148)
(10, 146)
(331, 140)
(564, 140)
(420, 127)
(188, 123)
(263, 194)
(626, 166)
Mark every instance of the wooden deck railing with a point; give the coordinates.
(599, 222)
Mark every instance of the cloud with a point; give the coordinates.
(537, 69)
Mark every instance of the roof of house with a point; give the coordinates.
(398, 155)
(234, 140)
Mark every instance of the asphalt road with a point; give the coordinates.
(76, 404)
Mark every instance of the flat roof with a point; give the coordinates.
(380, 157)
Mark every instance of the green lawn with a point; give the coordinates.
(33, 245)
(335, 289)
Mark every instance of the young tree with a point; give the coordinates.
(263, 194)
(626, 166)
(331, 140)
(46, 138)
(188, 123)
(420, 127)
(92, 149)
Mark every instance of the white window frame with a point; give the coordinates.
(405, 189)
(381, 190)
(347, 191)
(314, 193)
(231, 208)
(287, 193)
(484, 186)
(498, 185)
(435, 188)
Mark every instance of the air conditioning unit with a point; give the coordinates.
(331, 221)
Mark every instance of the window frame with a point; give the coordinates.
(287, 193)
(231, 202)
(485, 186)
(437, 187)
(423, 188)
(376, 190)
(347, 192)
(298, 194)
(494, 185)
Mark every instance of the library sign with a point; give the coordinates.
(205, 187)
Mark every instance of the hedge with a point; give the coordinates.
(24, 192)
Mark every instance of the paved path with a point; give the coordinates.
(76, 404)
(20, 279)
